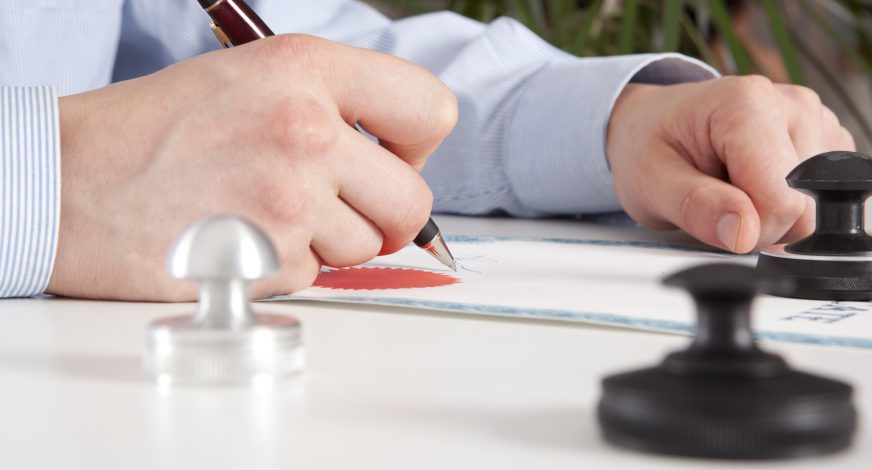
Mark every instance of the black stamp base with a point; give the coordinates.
(821, 278)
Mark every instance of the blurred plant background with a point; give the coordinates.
(823, 44)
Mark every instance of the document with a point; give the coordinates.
(608, 282)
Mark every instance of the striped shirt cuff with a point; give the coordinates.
(556, 155)
(29, 188)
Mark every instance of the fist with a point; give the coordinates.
(711, 158)
(265, 131)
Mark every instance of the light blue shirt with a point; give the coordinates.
(530, 140)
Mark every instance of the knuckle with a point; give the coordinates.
(753, 89)
(277, 202)
(829, 118)
(303, 125)
(847, 139)
(444, 110)
(294, 46)
(413, 210)
(358, 246)
(806, 222)
(368, 248)
(788, 209)
(805, 97)
(365, 243)
(300, 267)
(687, 205)
(756, 83)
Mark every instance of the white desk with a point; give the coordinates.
(384, 388)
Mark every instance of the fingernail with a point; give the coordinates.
(728, 230)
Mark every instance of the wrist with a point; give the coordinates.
(72, 120)
(627, 119)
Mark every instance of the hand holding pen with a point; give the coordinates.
(261, 130)
(235, 23)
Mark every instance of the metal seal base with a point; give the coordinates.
(180, 350)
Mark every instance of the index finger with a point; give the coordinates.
(406, 107)
(750, 134)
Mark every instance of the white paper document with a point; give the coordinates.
(597, 281)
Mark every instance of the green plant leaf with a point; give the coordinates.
(584, 31)
(628, 26)
(518, 10)
(560, 16)
(835, 84)
(536, 8)
(781, 33)
(859, 60)
(672, 24)
(721, 18)
(698, 40)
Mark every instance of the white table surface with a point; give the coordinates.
(384, 388)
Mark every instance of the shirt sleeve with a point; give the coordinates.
(29, 188)
(70, 45)
(531, 135)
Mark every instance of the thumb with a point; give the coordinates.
(707, 208)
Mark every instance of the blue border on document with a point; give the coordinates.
(608, 319)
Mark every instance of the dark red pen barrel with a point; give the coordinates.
(238, 21)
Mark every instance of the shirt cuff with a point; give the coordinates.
(29, 188)
(556, 154)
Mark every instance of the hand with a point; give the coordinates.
(711, 158)
(263, 131)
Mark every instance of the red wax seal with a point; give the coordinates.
(382, 278)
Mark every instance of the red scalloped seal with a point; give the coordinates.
(382, 279)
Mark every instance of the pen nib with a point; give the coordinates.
(440, 251)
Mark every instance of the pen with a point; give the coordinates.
(235, 23)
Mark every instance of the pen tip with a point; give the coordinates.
(439, 250)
